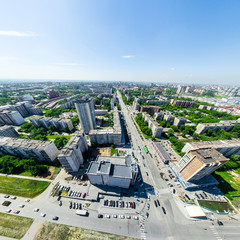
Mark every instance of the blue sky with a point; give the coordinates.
(195, 41)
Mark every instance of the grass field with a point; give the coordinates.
(212, 205)
(14, 226)
(53, 231)
(114, 151)
(53, 137)
(22, 187)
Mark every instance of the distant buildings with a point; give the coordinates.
(197, 164)
(99, 89)
(71, 156)
(108, 136)
(136, 104)
(182, 103)
(226, 125)
(8, 131)
(210, 108)
(101, 112)
(153, 125)
(61, 124)
(25, 148)
(113, 171)
(68, 102)
(226, 147)
(52, 94)
(86, 113)
(182, 89)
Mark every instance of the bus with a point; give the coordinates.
(145, 149)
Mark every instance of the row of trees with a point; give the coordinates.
(233, 163)
(56, 112)
(60, 142)
(143, 125)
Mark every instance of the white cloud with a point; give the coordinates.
(17, 34)
(128, 56)
(68, 64)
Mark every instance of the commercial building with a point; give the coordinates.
(71, 156)
(226, 147)
(86, 113)
(60, 123)
(113, 171)
(162, 153)
(11, 117)
(182, 103)
(108, 136)
(150, 109)
(197, 164)
(153, 125)
(25, 148)
(8, 131)
(226, 125)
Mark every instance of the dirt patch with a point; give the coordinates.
(105, 151)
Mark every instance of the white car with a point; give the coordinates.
(27, 200)
(43, 214)
(128, 217)
(107, 216)
(135, 217)
(36, 210)
(114, 216)
(121, 216)
(21, 206)
(8, 211)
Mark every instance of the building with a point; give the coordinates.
(182, 103)
(52, 94)
(158, 102)
(153, 125)
(226, 125)
(108, 136)
(210, 108)
(61, 124)
(113, 171)
(182, 89)
(26, 97)
(179, 121)
(99, 89)
(162, 153)
(168, 117)
(199, 163)
(101, 112)
(86, 113)
(226, 147)
(25, 148)
(150, 109)
(71, 156)
(7, 131)
(11, 117)
(35, 110)
(136, 104)
(68, 102)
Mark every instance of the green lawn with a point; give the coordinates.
(53, 231)
(114, 151)
(212, 205)
(22, 187)
(56, 136)
(13, 226)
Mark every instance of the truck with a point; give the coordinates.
(82, 213)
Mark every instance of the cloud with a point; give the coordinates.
(172, 68)
(17, 34)
(128, 56)
(68, 64)
(7, 59)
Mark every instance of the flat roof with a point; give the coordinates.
(195, 211)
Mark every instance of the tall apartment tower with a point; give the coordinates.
(86, 113)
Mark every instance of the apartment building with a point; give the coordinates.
(60, 123)
(25, 148)
(113, 171)
(71, 156)
(11, 117)
(199, 163)
(210, 108)
(150, 109)
(8, 131)
(182, 103)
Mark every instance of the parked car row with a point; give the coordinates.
(157, 203)
(59, 187)
(74, 205)
(121, 204)
(76, 194)
(117, 216)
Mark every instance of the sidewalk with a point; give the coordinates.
(26, 177)
(34, 228)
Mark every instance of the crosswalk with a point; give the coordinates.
(215, 233)
(142, 227)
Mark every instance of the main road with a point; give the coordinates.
(175, 224)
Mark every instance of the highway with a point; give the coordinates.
(174, 224)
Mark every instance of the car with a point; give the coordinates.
(147, 173)
(114, 216)
(43, 214)
(60, 203)
(158, 203)
(113, 203)
(135, 217)
(163, 209)
(155, 202)
(100, 216)
(84, 195)
(74, 205)
(36, 210)
(13, 197)
(128, 217)
(174, 191)
(107, 216)
(70, 205)
(220, 223)
(126, 204)
(121, 216)
(147, 215)
(27, 200)
(117, 204)
(55, 218)
(134, 205)
(8, 210)
(148, 206)
(6, 196)
(16, 211)
(21, 206)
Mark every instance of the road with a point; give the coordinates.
(174, 224)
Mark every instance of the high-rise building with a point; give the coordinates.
(86, 113)
(11, 117)
(8, 131)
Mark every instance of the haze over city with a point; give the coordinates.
(156, 41)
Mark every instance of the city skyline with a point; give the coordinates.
(161, 41)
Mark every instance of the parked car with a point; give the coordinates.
(163, 209)
(16, 211)
(36, 209)
(84, 195)
(55, 218)
(158, 203)
(100, 216)
(43, 214)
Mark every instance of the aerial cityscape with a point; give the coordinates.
(119, 120)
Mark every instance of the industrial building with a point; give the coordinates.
(153, 125)
(86, 113)
(197, 164)
(25, 148)
(226, 125)
(226, 147)
(60, 123)
(71, 156)
(113, 171)
(108, 136)
(8, 131)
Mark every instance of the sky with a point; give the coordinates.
(182, 41)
